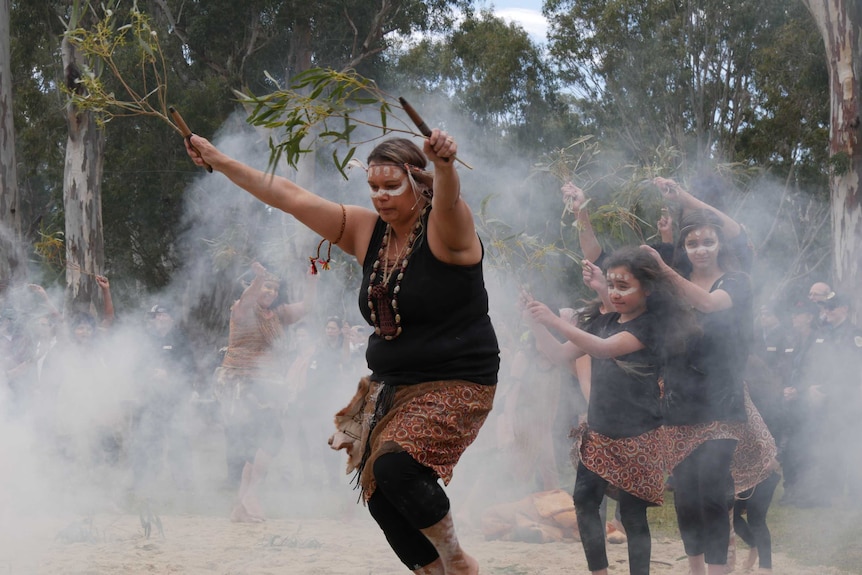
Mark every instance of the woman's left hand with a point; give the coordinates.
(440, 147)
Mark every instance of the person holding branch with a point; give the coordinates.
(433, 355)
(704, 404)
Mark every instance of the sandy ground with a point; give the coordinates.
(115, 543)
(55, 526)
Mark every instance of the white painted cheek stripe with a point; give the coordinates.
(701, 249)
(623, 292)
(392, 193)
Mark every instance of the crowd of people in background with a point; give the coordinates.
(671, 344)
(121, 404)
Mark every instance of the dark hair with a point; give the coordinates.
(589, 313)
(699, 219)
(399, 151)
(676, 323)
(837, 300)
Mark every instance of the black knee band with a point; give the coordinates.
(412, 488)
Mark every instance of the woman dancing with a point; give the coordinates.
(247, 385)
(433, 354)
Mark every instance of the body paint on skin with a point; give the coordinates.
(390, 192)
(622, 292)
(701, 249)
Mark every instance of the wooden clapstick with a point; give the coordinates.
(185, 131)
(417, 119)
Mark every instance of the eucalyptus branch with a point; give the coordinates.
(324, 105)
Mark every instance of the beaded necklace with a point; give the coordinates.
(383, 306)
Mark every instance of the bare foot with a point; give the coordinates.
(614, 535)
(240, 514)
(435, 568)
(750, 560)
(252, 506)
(469, 566)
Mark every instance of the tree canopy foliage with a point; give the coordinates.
(662, 87)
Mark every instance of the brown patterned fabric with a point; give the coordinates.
(433, 421)
(634, 464)
(638, 465)
(255, 338)
(755, 448)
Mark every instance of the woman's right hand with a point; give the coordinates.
(202, 152)
(573, 197)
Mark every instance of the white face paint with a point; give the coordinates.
(701, 242)
(612, 291)
(700, 249)
(621, 277)
(386, 172)
(625, 278)
(392, 192)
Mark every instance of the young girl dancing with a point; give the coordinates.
(621, 446)
(715, 431)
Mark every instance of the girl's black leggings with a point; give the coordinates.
(703, 488)
(754, 503)
(588, 495)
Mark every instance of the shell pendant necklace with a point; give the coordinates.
(383, 302)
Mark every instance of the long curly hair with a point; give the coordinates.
(676, 321)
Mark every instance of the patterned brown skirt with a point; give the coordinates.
(433, 421)
(754, 457)
(638, 465)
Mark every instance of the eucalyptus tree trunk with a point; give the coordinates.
(840, 24)
(82, 196)
(11, 258)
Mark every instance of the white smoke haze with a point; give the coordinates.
(99, 387)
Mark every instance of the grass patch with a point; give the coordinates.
(820, 536)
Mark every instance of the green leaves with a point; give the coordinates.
(320, 105)
(107, 46)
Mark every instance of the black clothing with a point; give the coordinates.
(447, 334)
(834, 365)
(624, 394)
(703, 487)
(705, 384)
(753, 505)
(771, 346)
(408, 498)
(589, 492)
